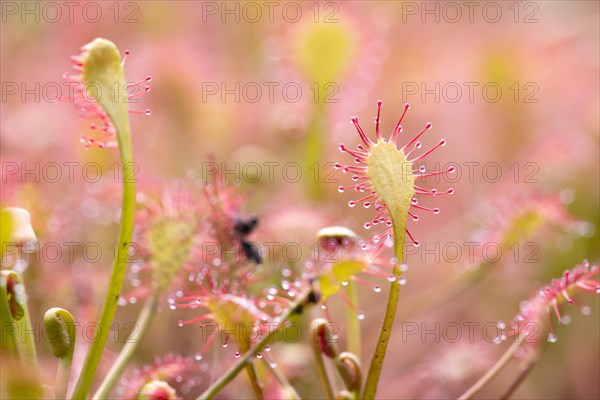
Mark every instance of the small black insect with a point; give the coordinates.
(313, 298)
(251, 251)
(243, 228)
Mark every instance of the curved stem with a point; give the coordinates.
(520, 378)
(61, 384)
(142, 324)
(293, 311)
(17, 322)
(348, 368)
(388, 319)
(60, 330)
(24, 325)
(523, 373)
(322, 371)
(251, 371)
(384, 338)
(8, 344)
(119, 267)
(353, 334)
(313, 150)
(283, 381)
(501, 363)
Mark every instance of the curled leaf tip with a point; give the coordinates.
(345, 395)
(157, 390)
(101, 62)
(19, 222)
(60, 330)
(100, 84)
(349, 368)
(324, 337)
(14, 291)
(102, 72)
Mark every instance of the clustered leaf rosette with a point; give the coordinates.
(389, 176)
(220, 287)
(224, 303)
(228, 310)
(172, 369)
(550, 297)
(517, 217)
(101, 93)
(157, 390)
(167, 228)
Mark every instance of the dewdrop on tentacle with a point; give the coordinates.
(223, 302)
(388, 176)
(549, 298)
(99, 91)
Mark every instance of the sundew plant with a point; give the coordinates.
(286, 223)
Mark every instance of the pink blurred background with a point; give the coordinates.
(542, 56)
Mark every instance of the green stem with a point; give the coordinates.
(142, 324)
(60, 329)
(283, 381)
(251, 371)
(353, 334)
(293, 311)
(8, 344)
(348, 366)
(388, 319)
(492, 372)
(322, 371)
(520, 378)
(61, 384)
(27, 345)
(119, 267)
(16, 320)
(314, 150)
